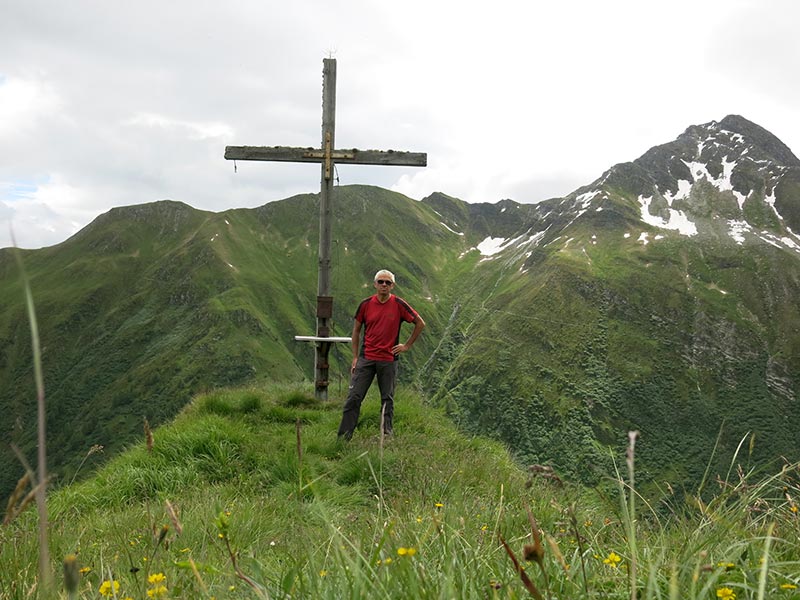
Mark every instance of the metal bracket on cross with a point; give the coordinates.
(323, 341)
(323, 345)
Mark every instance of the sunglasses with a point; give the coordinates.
(384, 282)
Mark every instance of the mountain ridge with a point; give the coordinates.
(553, 327)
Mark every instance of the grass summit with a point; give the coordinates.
(248, 494)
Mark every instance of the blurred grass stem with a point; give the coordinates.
(45, 576)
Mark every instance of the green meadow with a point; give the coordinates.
(249, 494)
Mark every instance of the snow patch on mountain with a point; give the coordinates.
(699, 171)
(737, 229)
(787, 241)
(677, 220)
(587, 197)
(449, 229)
(769, 238)
(684, 189)
(491, 246)
(736, 138)
(494, 245)
(537, 237)
(771, 201)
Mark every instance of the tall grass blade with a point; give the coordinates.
(762, 578)
(709, 463)
(298, 432)
(735, 456)
(630, 456)
(45, 575)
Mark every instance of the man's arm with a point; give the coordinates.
(419, 325)
(355, 340)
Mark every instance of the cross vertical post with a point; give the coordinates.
(324, 298)
(327, 156)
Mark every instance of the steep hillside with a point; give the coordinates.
(659, 298)
(151, 304)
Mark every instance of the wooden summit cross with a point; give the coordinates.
(327, 156)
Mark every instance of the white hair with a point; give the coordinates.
(384, 273)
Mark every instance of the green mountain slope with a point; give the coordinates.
(152, 304)
(606, 313)
(659, 298)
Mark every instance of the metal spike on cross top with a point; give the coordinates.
(327, 156)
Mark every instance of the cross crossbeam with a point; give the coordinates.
(327, 156)
(350, 157)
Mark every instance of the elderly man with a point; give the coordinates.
(380, 317)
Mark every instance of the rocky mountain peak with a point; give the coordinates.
(756, 138)
(731, 179)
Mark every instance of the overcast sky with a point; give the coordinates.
(107, 103)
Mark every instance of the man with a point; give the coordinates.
(380, 316)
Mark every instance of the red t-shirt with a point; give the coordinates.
(381, 324)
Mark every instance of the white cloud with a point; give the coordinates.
(45, 214)
(191, 130)
(103, 104)
(22, 102)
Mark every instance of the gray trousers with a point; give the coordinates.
(361, 379)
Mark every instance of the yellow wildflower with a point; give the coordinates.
(323, 573)
(788, 586)
(156, 578)
(438, 505)
(109, 588)
(84, 570)
(726, 593)
(157, 592)
(612, 560)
